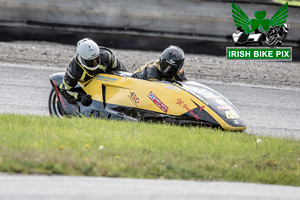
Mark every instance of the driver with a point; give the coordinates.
(89, 60)
(167, 68)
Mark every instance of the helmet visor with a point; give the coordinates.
(169, 69)
(91, 64)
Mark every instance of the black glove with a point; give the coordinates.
(85, 99)
(69, 98)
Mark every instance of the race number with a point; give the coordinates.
(231, 114)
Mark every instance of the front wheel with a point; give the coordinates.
(54, 105)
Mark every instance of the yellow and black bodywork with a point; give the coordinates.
(118, 96)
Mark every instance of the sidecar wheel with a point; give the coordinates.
(54, 105)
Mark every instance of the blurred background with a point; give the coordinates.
(196, 26)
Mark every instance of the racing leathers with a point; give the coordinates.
(150, 71)
(77, 73)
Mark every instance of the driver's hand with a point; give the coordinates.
(85, 99)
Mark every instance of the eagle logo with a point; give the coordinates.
(250, 25)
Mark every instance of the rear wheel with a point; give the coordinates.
(54, 105)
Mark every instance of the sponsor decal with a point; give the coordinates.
(179, 102)
(194, 112)
(158, 102)
(133, 97)
(106, 78)
(224, 107)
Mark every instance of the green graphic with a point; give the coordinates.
(242, 20)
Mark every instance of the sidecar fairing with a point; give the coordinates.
(246, 39)
(118, 96)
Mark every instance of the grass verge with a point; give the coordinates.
(44, 145)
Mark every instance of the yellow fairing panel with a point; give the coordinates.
(142, 94)
(132, 92)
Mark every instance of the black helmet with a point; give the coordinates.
(171, 61)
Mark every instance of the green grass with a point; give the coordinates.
(84, 146)
(291, 2)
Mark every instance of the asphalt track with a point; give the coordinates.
(26, 187)
(267, 111)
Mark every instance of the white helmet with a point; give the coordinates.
(88, 54)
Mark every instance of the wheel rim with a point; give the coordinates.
(54, 106)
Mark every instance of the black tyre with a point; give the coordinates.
(54, 105)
